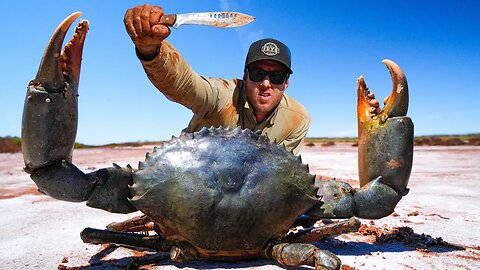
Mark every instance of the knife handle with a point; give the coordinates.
(168, 20)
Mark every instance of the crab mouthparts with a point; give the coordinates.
(396, 104)
(60, 67)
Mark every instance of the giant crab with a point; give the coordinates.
(220, 194)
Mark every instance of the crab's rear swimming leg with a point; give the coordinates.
(49, 128)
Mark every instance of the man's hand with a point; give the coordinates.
(141, 23)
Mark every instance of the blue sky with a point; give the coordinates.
(437, 44)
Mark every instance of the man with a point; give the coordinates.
(257, 102)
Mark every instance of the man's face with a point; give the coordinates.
(264, 96)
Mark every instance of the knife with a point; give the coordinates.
(215, 19)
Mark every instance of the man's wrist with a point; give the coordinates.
(147, 53)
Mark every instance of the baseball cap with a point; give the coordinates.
(269, 49)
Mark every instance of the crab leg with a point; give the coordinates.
(179, 251)
(49, 128)
(96, 236)
(135, 224)
(329, 230)
(297, 254)
(385, 156)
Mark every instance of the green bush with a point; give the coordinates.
(10, 144)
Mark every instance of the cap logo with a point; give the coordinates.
(270, 49)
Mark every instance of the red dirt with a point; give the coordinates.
(17, 192)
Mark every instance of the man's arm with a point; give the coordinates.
(163, 64)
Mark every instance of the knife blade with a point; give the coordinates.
(214, 19)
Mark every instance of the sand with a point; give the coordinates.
(436, 226)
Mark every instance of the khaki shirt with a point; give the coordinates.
(219, 102)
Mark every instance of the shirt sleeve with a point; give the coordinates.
(170, 73)
(295, 140)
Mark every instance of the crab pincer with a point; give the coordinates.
(385, 146)
(49, 129)
(385, 136)
(50, 115)
(385, 156)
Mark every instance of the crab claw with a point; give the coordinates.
(385, 136)
(49, 128)
(50, 115)
(385, 156)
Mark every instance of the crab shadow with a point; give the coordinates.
(146, 259)
(393, 242)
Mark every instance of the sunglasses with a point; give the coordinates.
(275, 77)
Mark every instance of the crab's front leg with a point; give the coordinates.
(385, 156)
(49, 127)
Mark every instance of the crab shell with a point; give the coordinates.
(227, 192)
